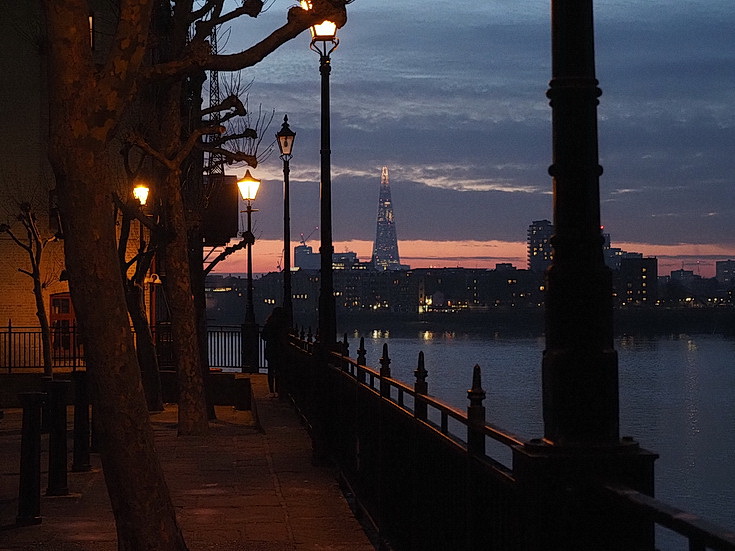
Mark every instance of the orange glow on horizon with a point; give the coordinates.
(267, 255)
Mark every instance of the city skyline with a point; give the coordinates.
(452, 100)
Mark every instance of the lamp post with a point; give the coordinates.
(248, 187)
(285, 138)
(324, 41)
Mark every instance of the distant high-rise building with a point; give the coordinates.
(638, 280)
(385, 251)
(539, 245)
(725, 272)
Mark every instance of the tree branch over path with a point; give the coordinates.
(200, 55)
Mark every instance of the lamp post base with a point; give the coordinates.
(250, 347)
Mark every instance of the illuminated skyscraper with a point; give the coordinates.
(385, 250)
(539, 245)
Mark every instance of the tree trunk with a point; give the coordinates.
(46, 345)
(143, 510)
(193, 418)
(83, 112)
(144, 346)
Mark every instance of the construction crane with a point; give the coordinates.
(693, 263)
(303, 239)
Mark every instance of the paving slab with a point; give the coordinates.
(246, 486)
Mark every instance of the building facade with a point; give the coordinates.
(539, 245)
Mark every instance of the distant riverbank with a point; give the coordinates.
(529, 322)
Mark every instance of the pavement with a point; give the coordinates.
(248, 485)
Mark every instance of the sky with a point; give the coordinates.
(450, 96)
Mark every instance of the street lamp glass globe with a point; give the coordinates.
(140, 192)
(325, 31)
(285, 137)
(248, 186)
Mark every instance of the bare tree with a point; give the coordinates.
(134, 272)
(87, 102)
(34, 244)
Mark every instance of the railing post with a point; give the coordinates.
(57, 449)
(9, 346)
(385, 372)
(361, 360)
(476, 415)
(80, 462)
(29, 486)
(421, 388)
(346, 353)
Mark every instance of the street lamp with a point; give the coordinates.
(324, 41)
(285, 138)
(140, 192)
(248, 187)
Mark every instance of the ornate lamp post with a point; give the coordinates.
(580, 366)
(248, 187)
(285, 138)
(324, 41)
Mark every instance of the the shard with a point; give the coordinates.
(385, 250)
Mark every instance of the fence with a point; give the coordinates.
(430, 476)
(21, 347)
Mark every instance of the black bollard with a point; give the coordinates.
(80, 462)
(45, 382)
(29, 486)
(57, 461)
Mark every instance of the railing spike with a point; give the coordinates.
(476, 394)
(385, 362)
(385, 372)
(361, 360)
(421, 388)
(476, 414)
(420, 373)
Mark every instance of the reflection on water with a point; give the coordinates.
(677, 398)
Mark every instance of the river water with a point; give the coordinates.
(677, 398)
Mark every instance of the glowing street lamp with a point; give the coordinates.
(140, 193)
(248, 187)
(324, 41)
(285, 138)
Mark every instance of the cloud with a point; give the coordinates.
(451, 97)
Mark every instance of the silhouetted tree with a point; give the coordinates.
(87, 101)
(34, 244)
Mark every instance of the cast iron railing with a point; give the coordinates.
(21, 348)
(429, 476)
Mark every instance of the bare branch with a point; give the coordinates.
(200, 55)
(214, 6)
(186, 148)
(232, 157)
(232, 102)
(5, 228)
(224, 254)
(251, 8)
